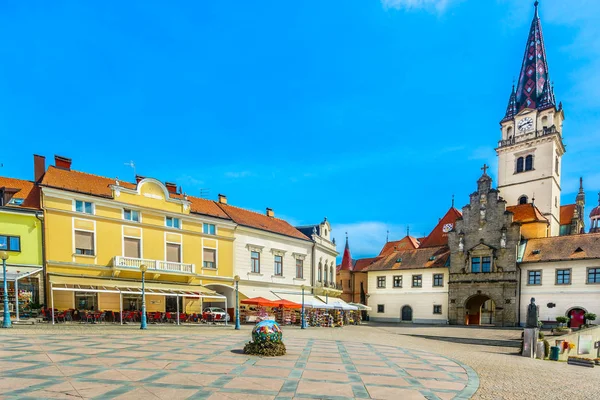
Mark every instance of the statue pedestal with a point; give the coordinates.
(530, 336)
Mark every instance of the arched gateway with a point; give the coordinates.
(480, 310)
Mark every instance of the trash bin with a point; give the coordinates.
(554, 351)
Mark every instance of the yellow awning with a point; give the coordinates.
(75, 283)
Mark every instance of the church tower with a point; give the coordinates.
(531, 148)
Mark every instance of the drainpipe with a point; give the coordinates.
(40, 217)
(312, 269)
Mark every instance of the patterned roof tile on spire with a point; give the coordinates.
(533, 89)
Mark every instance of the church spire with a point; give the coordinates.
(533, 89)
(347, 258)
(511, 109)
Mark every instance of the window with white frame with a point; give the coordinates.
(255, 262)
(131, 215)
(173, 222)
(398, 281)
(209, 258)
(299, 268)
(85, 207)
(209, 229)
(84, 243)
(278, 265)
(381, 282)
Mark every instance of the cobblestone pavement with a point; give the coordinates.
(377, 361)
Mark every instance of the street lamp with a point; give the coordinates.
(6, 322)
(143, 325)
(303, 322)
(237, 302)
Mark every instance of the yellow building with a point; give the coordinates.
(99, 231)
(21, 237)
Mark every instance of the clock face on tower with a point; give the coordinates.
(525, 124)
(447, 228)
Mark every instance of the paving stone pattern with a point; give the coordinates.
(135, 365)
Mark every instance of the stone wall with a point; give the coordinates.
(485, 230)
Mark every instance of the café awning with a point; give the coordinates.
(336, 302)
(309, 300)
(100, 285)
(252, 292)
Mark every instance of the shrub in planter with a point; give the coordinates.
(589, 318)
(562, 320)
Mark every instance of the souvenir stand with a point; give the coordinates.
(259, 309)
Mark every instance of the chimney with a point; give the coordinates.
(222, 199)
(39, 167)
(171, 187)
(270, 213)
(138, 178)
(62, 162)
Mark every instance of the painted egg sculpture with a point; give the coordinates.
(267, 331)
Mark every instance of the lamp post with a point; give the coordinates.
(237, 302)
(143, 324)
(303, 322)
(6, 322)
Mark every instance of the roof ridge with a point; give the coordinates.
(87, 173)
(17, 179)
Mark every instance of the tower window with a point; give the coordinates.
(509, 132)
(556, 165)
(529, 163)
(545, 121)
(523, 199)
(520, 164)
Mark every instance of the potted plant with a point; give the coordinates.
(597, 361)
(562, 328)
(589, 318)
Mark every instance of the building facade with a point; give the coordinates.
(21, 228)
(99, 231)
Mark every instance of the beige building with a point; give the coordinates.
(563, 275)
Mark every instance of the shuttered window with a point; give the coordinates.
(132, 247)
(173, 252)
(84, 243)
(209, 258)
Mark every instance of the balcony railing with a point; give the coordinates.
(153, 265)
(331, 285)
(526, 136)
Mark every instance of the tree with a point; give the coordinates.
(562, 320)
(589, 317)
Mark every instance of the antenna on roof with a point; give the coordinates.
(407, 230)
(387, 236)
(452, 201)
(132, 165)
(204, 193)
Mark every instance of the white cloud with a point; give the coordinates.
(438, 5)
(366, 238)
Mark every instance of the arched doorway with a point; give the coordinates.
(226, 291)
(576, 318)
(480, 310)
(406, 314)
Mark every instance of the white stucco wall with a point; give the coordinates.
(579, 294)
(421, 300)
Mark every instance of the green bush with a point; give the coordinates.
(546, 348)
(589, 317)
(562, 320)
(266, 349)
(541, 335)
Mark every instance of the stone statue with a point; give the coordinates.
(461, 244)
(503, 241)
(482, 213)
(532, 315)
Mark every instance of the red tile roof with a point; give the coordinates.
(362, 264)
(429, 257)
(94, 185)
(438, 237)
(407, 242)
(25, 190)
(346, 264)
(567, 213)
(260, 221)
(525, 213)
(556, 248)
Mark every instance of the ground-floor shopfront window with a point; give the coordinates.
(86, 301)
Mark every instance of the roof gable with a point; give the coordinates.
(407, 242)
(430, 257)
(558, 248)
(439, 234)
(526, 213)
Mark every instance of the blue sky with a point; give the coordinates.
(370, 112)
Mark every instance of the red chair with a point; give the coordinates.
(183, 317)
(169, 317)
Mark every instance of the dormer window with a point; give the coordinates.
(16, 202)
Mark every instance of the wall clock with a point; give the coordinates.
(525, 124)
